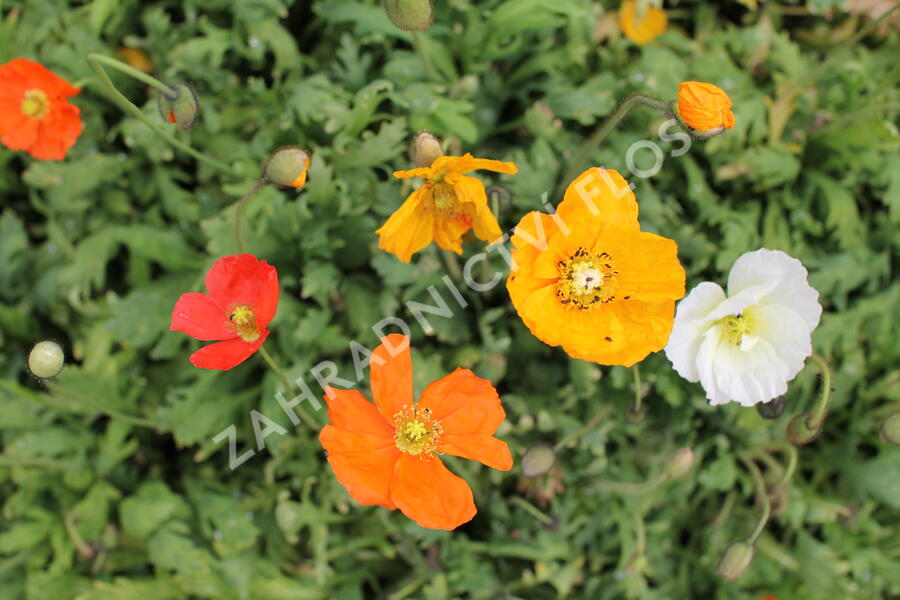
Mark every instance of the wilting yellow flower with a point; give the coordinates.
(588, 279)
(704, 106)
(642, 29)
(447, 206)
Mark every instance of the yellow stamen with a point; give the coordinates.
(415, 432)
(735, 327)
(586, 279)
(35, 104)
(243, 319)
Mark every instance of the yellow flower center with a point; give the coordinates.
(243, 319)
(35, 104)
(734, 327)
(586, 279)
(415, 432)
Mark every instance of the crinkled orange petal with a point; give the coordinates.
(471, 191)
(363, 464)
(349, 410)
(467, 163)
(599, 196)
(448, 232)
(431, 495)
(410, 228)
(704, 106)
(647, 263)
(391, 376)
(423, 172)
(464, 404)
(644, 30)
(486, 449)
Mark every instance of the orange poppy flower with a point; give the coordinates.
(589, 280)
(386, 453)
(642, 29)
(704, 106)
(34, 113)
(442, 210)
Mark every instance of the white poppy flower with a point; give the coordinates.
(745, 347)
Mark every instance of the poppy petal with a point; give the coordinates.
(244, 279)
(464, 404)
(467, 163)
(486, 449)
(431, 495)
(469, 189)
(410, 228)
(391, 375)
(363, 464)
(201, 317)
(226, 355)
(349, 410)
(600, 194)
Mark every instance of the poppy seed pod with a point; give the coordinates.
(410, 15)
(287, 167)
(735, 561)
(181, 106)
(425, 149)
(46, 359)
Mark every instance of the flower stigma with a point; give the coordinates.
(243, 319)
(35, 104)
(415, 432)
(586, 279)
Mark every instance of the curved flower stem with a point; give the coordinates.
(239, 213)
(638, 395)
(626, 488)
(605, 128)
(34, 461)
(532, 510)
(132, 72)
(762, 497)
(419, 48)
(816, 416)
(593, 422)
(286, 382)
(113, 414)
(97, 60)
(790, 468)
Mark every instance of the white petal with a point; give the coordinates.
(706, 366)
(786, 331)
(783, 275)
(751, 377)
(690, 324)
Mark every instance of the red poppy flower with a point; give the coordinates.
(386, 453)
(34, 113)
(243, 297)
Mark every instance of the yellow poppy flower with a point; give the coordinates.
(589, 280)
(443, 209)
(644, 29)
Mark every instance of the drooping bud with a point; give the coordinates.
(287, 166)
(890, 430)
(799, 432)
(735, 561)
(538, 461)
(410, 15)
(425, 149)
(679, 464)
(181, 106)
(46, 359)
(772, 409)
(705, 108)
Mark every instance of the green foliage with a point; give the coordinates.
(111, 484)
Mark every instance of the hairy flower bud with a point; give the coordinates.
(410, 15)
(799, 431)
(425, 149)
(287, 166)
(538, 461)
(890, 430)
(704, 107)
(772, 409)
(181, 106)
(46, 359)
(679, 464)
(735, 561)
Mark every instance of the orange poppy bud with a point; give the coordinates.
(425, 149)
(287, 166)
(642, 27)
(410, 15)
(181, 106)
(704, 107)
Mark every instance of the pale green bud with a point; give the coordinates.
(410, 15)
(181, 106)
(425, 149)
(287, 166)
(46, 359)
(735, 561)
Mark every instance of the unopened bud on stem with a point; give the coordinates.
(46, 359)
(735, 561)
(180, 106)
(890, 430)
(287, 166)
(679, 464)
(410, 15)
(538, 461)
(425, 149)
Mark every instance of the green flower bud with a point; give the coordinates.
(287, 166)
(772, 409)
(181, 106)
(679, 464)
(538, 461)
(46, 359)
(799, 432)
(890, 430)
(425, 149)
(410, 15)
(735, 561)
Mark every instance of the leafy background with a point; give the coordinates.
(110, 484)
